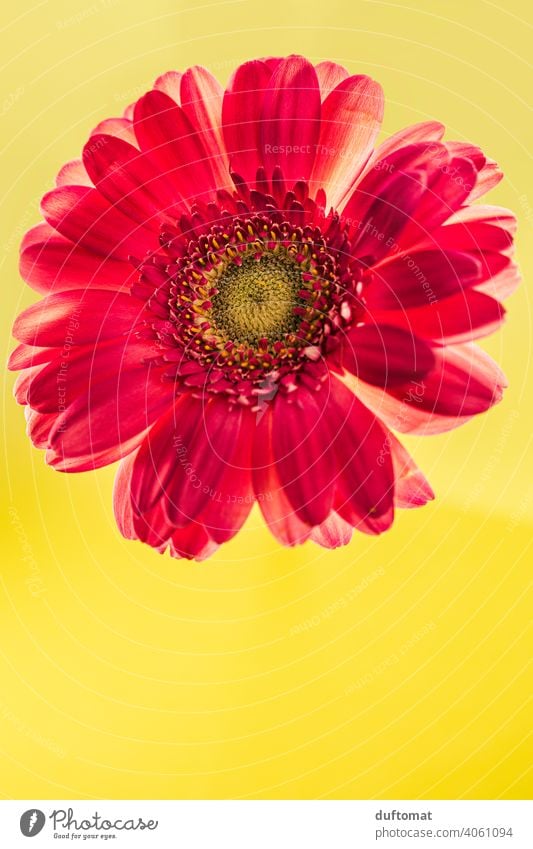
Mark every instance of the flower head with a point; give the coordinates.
(243, 298)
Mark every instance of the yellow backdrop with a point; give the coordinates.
(393, 668)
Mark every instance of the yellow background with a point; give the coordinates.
(394, 668)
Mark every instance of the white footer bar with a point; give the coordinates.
(267, 824)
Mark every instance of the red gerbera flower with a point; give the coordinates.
(243, 298)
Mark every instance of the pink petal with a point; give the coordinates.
(329, 75)
(333, 532)
(428, 133)
(73, 174)
(121, 128)
(26, 356)
(201, 99)
(39, 426)
(467, 151)
(489, 174)
(290, 119)
(496, 215)
(411, 488)
(38, 234)
(23, 383)
(351, 118)
(79, 317)
(489, 177)
(121, 497)
(503, 284)
(170, 83)
(128, 112)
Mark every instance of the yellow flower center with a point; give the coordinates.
(256, 300)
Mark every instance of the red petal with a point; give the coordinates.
(50, 263)
(466, 316)
(428, 133)
(464, 382)
(378, 225)
(448, 187)
(129, 180)
(68, 375)
(412, 161)
(91, 461)
(469, 236)
(241, 112)
(177, 147)
(157, 457)
(420, 278)
(276, 508)
(78, 318)
(300, 440)
(385, 355)
(290, 119)
(228, 507)
(351, 118)
(190, 452)
(201, 99)
(85, 217)
(365, 485)
(108, 409)
(192, 542)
